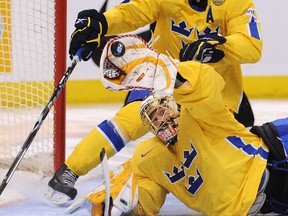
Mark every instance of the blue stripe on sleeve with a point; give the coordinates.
(253, 28)
(112, 134)
(248, 148)
(254, 31)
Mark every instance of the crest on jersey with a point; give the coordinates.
(218, 2)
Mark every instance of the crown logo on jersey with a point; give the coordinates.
(218, 2)
(181, 28)
(207, 31)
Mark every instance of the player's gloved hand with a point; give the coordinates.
(203, 50)
(90, 27)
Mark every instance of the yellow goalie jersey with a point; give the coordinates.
(178, 23)
(216, 165)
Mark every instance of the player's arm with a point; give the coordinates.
(201, 96)
(243, 33)
(91, 26)
(201, 93)
(130, 16)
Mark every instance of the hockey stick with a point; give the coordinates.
(40, 120)
(105, 168)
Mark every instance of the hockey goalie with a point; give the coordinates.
(199, 153)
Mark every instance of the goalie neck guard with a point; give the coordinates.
(161, 116)
(128, 62)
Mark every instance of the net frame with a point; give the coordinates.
(53, 27)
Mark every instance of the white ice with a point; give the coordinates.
(27, 188)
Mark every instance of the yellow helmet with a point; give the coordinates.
(160, 114)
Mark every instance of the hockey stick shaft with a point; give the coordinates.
(105, 169)
(40, 120)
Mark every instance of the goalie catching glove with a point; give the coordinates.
(123, 194)
(203, 50)
(128, 63)
(90, 27)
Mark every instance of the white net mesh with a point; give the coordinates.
(26, 80)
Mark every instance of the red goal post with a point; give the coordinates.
(32, 62)
(60, 67)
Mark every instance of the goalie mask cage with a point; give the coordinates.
(32, 62)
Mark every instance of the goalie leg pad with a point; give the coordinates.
(123, 192)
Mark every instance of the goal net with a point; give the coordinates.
(32, 61)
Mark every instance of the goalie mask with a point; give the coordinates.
(161, 115)
(128, 62)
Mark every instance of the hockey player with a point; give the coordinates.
(178, 23)
(200, 153)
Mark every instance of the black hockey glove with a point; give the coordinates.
(90, 27)
(203, 50)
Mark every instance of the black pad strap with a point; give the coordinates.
(180, 78)
(268, 132)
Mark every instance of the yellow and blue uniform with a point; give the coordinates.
(216, 165)
(177, 23)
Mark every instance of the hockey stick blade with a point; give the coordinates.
(105, 168)
(40, 120)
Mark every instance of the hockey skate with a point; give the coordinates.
(61, 186)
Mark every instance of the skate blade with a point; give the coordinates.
(55, 198)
